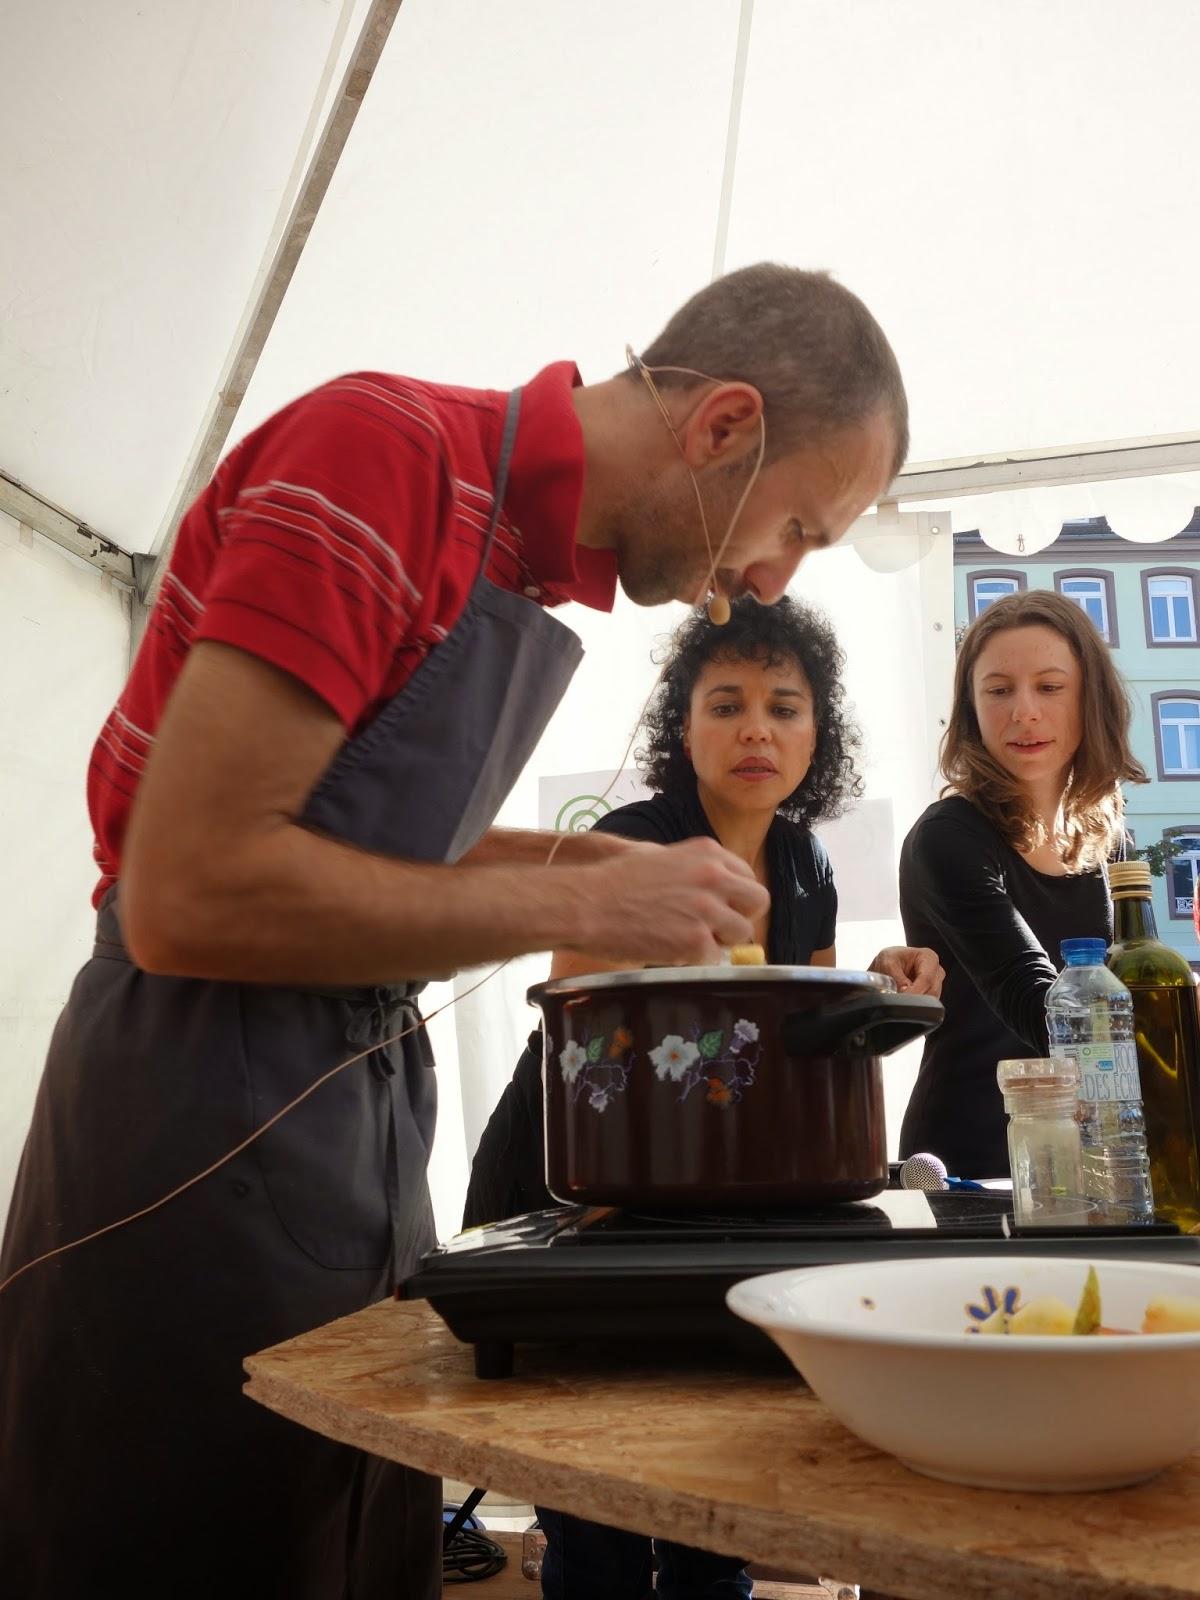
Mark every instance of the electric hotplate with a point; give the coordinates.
(579, 1274)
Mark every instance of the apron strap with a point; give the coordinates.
(512, 415)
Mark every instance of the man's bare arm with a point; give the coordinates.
(220, 880)
(521, 847)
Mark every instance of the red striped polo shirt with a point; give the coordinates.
(339, 542)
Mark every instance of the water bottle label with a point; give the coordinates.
(1108, 1071)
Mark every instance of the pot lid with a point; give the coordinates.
(665, 977)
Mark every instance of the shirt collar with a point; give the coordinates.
(545, 491)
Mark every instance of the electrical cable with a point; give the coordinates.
(468, 1554)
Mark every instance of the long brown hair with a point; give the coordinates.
(1092, 804)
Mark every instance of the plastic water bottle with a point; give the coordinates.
(1089, 1016)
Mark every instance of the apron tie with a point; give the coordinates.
(381, 1015)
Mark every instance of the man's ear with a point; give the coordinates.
(723, 426)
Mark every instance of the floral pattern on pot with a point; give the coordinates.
(721, 1060)
(598, 1066)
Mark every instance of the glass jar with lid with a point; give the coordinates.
(1044, 1146)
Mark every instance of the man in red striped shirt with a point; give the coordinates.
(351, 657)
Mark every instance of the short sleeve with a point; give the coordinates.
(327, 525)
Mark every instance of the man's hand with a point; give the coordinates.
(913, 971)
(670, 905)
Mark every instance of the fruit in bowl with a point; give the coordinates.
(899, 1352)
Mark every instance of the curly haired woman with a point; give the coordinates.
(748, 742)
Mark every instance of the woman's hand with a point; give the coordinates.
(913, 971)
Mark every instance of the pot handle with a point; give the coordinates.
(863, 1025)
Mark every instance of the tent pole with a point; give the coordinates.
(725, 205)
(64, 529)
(244, 357)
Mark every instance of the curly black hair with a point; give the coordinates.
(787, 631)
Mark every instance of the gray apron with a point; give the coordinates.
(131, 1465)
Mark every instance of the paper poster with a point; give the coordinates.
(571, 802)
(862, 851)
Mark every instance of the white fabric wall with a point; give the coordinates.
(1009, 186)
(64, 650)
(150, 155)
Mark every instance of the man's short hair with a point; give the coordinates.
(811, 348)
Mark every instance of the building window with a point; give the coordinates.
(1178, 721)
(1092, 592)
(1170, 605)
(988, 587)
(1183, 871)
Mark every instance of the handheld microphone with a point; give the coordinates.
(923, 1171)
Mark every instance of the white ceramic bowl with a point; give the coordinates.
(886, 1346)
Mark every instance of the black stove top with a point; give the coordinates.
(896, 1213)
(574, 1274)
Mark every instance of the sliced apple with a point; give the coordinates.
(996, 1323)
(1045, 1315)
(1173, 1313)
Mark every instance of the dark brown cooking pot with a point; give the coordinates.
(720, 1086)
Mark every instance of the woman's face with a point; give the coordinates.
(1027, 688)
(751, 731)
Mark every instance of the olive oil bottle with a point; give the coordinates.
(1166, 1017)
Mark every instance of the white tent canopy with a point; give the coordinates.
(1009, 188)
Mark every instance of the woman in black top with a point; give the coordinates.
(748, 744)
(1010, 861)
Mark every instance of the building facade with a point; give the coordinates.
(1145, 599)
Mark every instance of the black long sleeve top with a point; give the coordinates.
(997, 924)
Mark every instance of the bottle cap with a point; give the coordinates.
(1083, 952)
(1133, 877)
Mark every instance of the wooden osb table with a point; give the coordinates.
(743, 1462)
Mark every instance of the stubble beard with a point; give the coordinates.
(659, 545)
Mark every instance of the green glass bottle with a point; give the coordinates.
(1166, 1017)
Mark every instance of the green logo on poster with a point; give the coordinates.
(581, 813)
